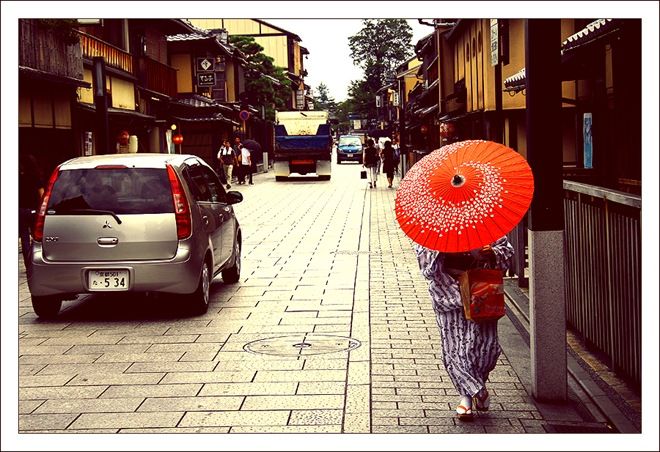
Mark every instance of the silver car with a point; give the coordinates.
(133, 223)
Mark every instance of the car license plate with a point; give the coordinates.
(109, 280)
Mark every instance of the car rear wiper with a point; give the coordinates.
(91, 212)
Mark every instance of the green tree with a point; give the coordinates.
(379, 47)
(323, 100)
(262, 91)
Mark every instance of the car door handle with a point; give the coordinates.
(205, 219)
(107, 240)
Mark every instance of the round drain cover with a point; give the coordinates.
(303, 344)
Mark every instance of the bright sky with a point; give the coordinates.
(329, 58)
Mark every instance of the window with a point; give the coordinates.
(121, 190)
(204, 183)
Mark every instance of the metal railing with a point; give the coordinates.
(602, 263)
(113, 56)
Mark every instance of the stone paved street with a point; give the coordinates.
(329, 330)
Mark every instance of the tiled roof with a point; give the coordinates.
(188, 37)
(516, 80)
(594, 30)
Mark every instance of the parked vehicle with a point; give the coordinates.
(133, 223)
(303, 144)
(349, 148)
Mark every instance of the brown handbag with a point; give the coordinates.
(482, 293)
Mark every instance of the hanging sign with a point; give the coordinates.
(204, 64)
(494, 43)
(206, 79)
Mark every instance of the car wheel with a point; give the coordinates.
(233, 274)
(46, 307)
(199, 300)
(338, 162)
(280, 178)
(324, 177)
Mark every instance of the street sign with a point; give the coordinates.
(204, 64)
(206, 79)
(244, 115)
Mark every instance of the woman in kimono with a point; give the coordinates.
(469, 349)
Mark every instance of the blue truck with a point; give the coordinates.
(303, 144)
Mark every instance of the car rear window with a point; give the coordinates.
(352, 141)
(120, 190)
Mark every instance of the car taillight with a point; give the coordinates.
(181, 208)
(38, 230)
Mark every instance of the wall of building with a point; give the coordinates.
(276, 48)
(181, 62)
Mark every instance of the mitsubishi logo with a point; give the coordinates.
(107, 225)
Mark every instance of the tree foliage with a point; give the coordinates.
(323, 100)
(378, 48)
(261, 91)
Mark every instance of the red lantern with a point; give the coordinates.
(177, 139)
(424, 128)
(123, 137)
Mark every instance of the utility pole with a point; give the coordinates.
(546, 216)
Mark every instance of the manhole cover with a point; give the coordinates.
(302, 344)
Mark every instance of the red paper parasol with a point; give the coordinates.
(464, 195)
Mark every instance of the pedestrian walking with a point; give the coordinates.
(245, 166)
(389, 162)
(370, 159)
(237, 146)
(469, 349)
(227, 158)
(457, 221)
(30, 191)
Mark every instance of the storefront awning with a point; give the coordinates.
(36, 74)
(118, 112)
(212, 118)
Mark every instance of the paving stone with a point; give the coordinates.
(57, 359)
(199, 403)
(59, 369)
(116, 379)
(293, 402)
(399, 429)
(126, 420)
(316, 417)
(321, 387)
(235, 418)
(119, 405)
(27, 381)
(219, 389)
(209, 377)
(175, 366)
(32, 422)
(301, 375)
(159, 390)
(28, 406)
(188, 430)
(138, 357)
(288, 429)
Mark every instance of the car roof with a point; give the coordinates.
(137, 160)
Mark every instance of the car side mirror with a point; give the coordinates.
(234, 197)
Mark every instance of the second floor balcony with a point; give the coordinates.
(151, 74)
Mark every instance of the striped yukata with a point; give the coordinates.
(469, 349)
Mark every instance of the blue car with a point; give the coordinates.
(349, 148)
